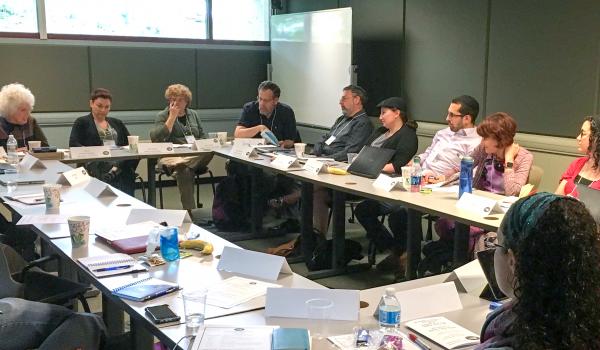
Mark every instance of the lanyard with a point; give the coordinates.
(348, 123)
(272, 120)
(188, 125)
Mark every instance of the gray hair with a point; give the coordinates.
(12, 96)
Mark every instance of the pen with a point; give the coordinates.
(418, 341)
(112, 268)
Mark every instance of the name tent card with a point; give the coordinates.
(74, 177)
(469, 278)
(155, 148)
(254, 264)
(313, 166)
(290, 302)
(243, 151)
(284, 162)
(99, 189)
(386, 183)
(171, 216)
(207, 144)
(90, 152)
(478, 204)
(249, 141)
(31, 162)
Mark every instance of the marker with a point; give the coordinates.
(112, 268)
(418, 341)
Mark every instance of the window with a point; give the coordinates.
(241, 19)
(143, 18)
(18, 16)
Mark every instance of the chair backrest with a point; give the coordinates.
(535, 176)
(10, 262)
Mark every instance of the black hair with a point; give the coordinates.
(594, 139)
(468, 106)
(269, 85)
(358, 91)
(101, 93)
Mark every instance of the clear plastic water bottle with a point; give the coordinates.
(169, 243)
(389, 310)
(465, 182)
(153, 241)
(11, 151)
(416, 175)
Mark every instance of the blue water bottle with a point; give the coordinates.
(169, 243)
(465, 182)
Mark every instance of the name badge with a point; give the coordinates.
(207, 144)
(109, 143)
(386, 183)
(285, 162)
(330, 140)
(90, 152)
(190, 139)
(73, 177)
(313, 166)
(155, 148)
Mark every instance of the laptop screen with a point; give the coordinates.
(591, 198)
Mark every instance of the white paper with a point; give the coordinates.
(29, 199)
(469, 278)
(90, 152)
(313, 166)
(31, 162)
(170, 216)
(251, 263)
(207, 144)
(290, 302)
(284, 162)
(249, 141)
(42, 219)
(427, 301)
(155, 147)
(73, 177)
(112, 233)
(99, 189)
(478, 204)
(236, 290)
(444, 332)
(214, 337)
(386, 182)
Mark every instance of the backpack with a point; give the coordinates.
(228, 205)
(321, 258)
(438, 258)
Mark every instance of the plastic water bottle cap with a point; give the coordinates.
(390, 291)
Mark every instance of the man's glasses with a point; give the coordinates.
(452, 115)
(492, 245)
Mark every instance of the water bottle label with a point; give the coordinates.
(415, 180)
(389, 317)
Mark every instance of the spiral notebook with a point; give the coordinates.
(111, 264)
(145, 289)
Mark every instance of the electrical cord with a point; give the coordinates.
(182, 338)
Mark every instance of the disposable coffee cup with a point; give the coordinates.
(79, 228)
(34, 144)
(222, 135)
(52, 196)
(406, 171)
(133, 143)
(299, 148)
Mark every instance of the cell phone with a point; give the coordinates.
(161, 314)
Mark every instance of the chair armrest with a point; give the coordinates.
(39, 262)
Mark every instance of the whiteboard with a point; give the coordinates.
(311, 55)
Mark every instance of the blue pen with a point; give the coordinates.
(112, 268)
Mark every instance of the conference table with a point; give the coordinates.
(437, 203)
(123, 153)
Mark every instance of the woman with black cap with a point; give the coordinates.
(398, 133)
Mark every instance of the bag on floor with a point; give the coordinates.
(323, 253)
(227, 209)
(438, 258)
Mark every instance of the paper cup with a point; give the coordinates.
(133, 143)
(222, 137)
(34, 144)
(299, 148)
(79, 228)
(406, 171)
(52, 196)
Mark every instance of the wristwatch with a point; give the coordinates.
(509, 165)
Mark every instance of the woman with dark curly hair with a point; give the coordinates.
(548, 262)
(584, 170)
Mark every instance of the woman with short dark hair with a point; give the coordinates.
(548, 262)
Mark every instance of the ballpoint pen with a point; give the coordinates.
(418, 342)
(104, 269)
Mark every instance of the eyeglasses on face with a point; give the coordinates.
(492, 245)
(452, 115)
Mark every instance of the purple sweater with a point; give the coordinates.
(513, 179)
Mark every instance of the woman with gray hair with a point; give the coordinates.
(16, 104)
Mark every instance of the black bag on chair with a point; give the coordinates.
(321, 258)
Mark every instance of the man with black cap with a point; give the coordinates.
(441, 158)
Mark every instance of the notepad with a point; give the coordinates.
(111, 264)
(444, 332)
(145, 289)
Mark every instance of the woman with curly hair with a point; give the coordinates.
(548, 262)
(584, 170)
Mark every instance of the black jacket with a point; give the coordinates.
(404, 141)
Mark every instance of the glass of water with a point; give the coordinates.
(194, 306)
(11, 186)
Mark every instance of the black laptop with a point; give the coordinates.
(591, 198)
(370, 161)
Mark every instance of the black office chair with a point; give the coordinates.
(163, 170)
(142, 185)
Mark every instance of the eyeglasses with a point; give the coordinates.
(490, 244)
(452, 115)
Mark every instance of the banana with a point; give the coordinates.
(197, 244)
(336, 171)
